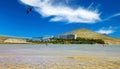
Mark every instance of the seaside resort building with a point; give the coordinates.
(66, 36)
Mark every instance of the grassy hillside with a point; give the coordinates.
(85, 33)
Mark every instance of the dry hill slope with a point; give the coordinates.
(85, 33)
(5, 39)
(2, 39)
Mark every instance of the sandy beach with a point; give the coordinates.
(59, 57)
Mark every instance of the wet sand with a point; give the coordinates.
(59, 57)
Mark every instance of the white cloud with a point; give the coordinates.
(106, 31)
(46, 8)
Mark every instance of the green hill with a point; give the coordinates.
(85, 33)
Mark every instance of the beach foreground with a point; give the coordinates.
(55, 57)
(52, 62)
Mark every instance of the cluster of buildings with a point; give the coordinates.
(47, 38)
(66, 36)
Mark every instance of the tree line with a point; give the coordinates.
(70, 41)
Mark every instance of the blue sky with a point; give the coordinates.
(52, 17)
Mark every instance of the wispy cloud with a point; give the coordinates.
(46, 8)
(104, 30)
(110, 17)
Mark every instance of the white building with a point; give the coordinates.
(67, 36)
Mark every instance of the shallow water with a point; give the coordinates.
(59, 49)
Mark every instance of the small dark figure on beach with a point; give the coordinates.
(28, 10)
(104, 45)
(46, 43)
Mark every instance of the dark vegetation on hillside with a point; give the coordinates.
(70, 41)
